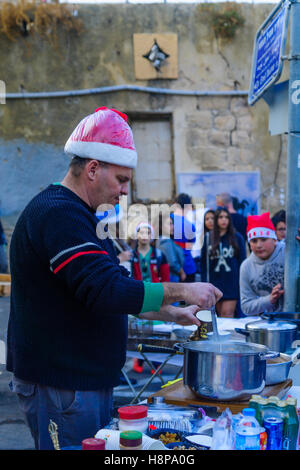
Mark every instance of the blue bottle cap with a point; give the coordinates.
(249, 412)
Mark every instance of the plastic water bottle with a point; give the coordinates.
(247, 433)
(234, 424)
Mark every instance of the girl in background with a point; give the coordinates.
(222, 253)
(209, 220)
(149, 264)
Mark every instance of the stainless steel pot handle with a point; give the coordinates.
(296, 357)
(157, 349)
(178, 348)
(242, 331)
(269, 355)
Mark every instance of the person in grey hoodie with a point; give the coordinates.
(262, 273)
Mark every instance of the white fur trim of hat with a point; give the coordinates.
(261, 232)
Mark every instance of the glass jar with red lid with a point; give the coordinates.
(133, 418)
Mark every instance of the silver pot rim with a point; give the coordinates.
(284, 356)
(270, 325)
(209, 346)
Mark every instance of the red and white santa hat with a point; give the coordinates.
(260, 226)
(104, 136)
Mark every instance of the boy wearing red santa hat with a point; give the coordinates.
(262, 273)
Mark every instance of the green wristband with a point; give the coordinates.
(153, 297)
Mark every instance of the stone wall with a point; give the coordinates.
(217, 133)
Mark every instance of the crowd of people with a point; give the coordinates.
(249, 271)
(241, 256)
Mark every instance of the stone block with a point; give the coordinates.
(219, 137)
(225, 122)
(201, 119)
(245, 123)
(239, 106)
(247, 156)
(233, 155)
(209, 157)
(214, 102)
(240, 138)
(240, 158)
(196, 137)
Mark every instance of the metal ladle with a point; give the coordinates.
(214, 323)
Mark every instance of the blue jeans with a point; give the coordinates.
(78, 415)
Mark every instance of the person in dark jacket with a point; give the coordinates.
(173, 252)
(239, 220)
(70, 298)
(3, 256)
(185, 234)
(222, 253)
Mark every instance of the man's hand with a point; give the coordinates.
(182, 315)
(203, 294)
(277, 292)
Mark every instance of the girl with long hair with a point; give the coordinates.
(222, 253)
(209, 220)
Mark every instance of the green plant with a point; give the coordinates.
(226, 23)
(26, 17)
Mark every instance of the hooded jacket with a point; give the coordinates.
(257, 279)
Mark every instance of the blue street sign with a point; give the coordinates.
(269, 47)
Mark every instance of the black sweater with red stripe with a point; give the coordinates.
(69, 298)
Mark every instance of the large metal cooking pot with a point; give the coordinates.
(225, 371)
(277, 335)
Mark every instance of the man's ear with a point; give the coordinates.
(91, 169)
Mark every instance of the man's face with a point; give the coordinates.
(219, 201)
(263, 247)
(109, 183)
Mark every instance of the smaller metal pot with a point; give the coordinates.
(277, 335)
(278, 369)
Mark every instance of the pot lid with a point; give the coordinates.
(271, 325)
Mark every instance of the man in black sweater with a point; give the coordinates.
(67, 332)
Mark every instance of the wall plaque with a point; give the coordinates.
(155, 56)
